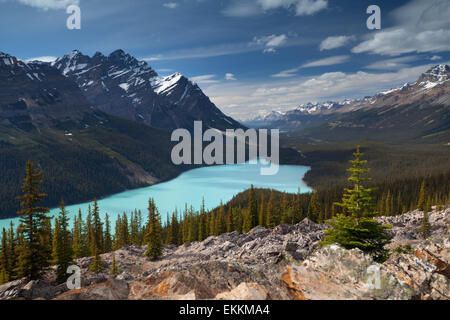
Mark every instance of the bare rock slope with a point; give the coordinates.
(283, 263)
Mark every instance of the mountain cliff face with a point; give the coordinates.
(413, 111)
(35, 94)
(122, 86)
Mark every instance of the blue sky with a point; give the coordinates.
(249, 56)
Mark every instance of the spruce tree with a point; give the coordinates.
(270, 214)
(12, 239)
(251, 218)
(422, 197)
(97, 265)
(114, 267)
(356, 228)
(107, 236)
(33, 255)
(62, 247)
(77, 241)
(425, 227)
(97, 228)
(230, 219)
(4, 259)
(220, 223)
(154, 232)
(314, 208)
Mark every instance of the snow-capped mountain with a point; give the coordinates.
(34, 93)
(122, 86)
(420, 106)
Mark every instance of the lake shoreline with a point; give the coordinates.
(213, 183)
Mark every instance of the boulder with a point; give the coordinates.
(338, 274)
(111, 289)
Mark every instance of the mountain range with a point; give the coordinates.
(95, 125)
(413, 111)
(122, 86)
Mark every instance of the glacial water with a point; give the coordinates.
(214, 184)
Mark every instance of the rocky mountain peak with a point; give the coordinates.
(435, 76)
(8, 60)
(120, 57)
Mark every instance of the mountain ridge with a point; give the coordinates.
(420, 110)
(123, 86)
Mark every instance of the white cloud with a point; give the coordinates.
(43, 59)
(224, 49)
(309, 7)
(335, 42)
(317, 63)
(230, 77)
(326, 61)
(434, 58)
(244, 101)
(246, 8)
(204, 79)
(270, 43)
(392, 64)
(421, 26)
(49, 4)
(242, 8)
(170, 5)
(286, 73)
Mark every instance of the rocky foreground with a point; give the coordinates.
(283, 263)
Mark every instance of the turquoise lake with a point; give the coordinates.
(214, 184)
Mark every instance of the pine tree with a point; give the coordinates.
(33, 256)
(107, 236)
(89, 232)
(220, 223)
(425, 228)
(5, 265)
(262, 213)
(97, 265)
(270, 215)
(422, 197)
(154, 232)
(4, 277)
(77, 241)
(428, 205)
(314, 208)
(358, 201)
(388, 207)
(173, 231)
(298, 209)
(251, 218)
(12, 240)
(285, 214)
(114, 267)
(230, 219)
(212, 223)
(358, 229)
(62, 247)
(97, 228)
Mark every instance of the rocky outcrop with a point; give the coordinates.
(338, 274)
(245, 291)
(426, 270)
(283, 263)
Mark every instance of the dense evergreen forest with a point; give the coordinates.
(40, 241)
